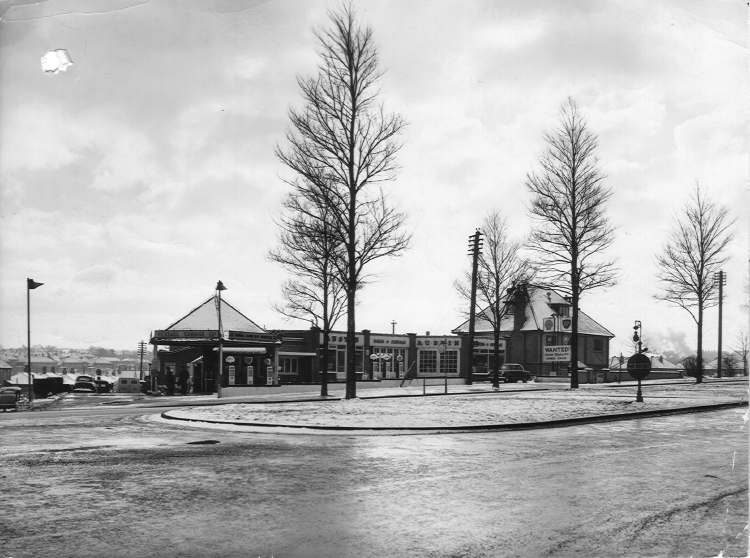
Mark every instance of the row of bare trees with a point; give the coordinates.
(342, 146)
(572, 233)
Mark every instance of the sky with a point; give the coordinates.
(144, 173)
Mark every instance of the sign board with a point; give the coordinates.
(556, 353)
(639, 366)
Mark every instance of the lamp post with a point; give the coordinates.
(638, 336)
(30, 285)
(220, 372)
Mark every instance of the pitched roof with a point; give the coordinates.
(539, 306)
(205, 317)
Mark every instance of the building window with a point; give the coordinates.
(427, 362)
(289, 365)
(449, 362)
(598, 344)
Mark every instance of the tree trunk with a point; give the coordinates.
(496, 350)
(699, 372)
(574, 340)
(351, 291)
(323, 362)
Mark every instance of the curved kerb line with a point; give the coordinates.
(477, 427)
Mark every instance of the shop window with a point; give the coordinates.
(427, 362)
(449, 362)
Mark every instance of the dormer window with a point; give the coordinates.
(562, 310)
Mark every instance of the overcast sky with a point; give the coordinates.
(132, 182)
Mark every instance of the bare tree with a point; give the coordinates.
(308, 249)
(742, 349)
(694, 251)
(342, 145)
(568, 203)
(500, 266)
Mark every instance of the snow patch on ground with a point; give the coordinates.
(461, 410)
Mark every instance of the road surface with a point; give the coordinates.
(117, 482)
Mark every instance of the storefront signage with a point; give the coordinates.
(556, 353)
(488, 343)
(229, 359)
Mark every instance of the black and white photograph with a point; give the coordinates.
(369, 278)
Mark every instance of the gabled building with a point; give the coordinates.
(194, 344)
(535, 331)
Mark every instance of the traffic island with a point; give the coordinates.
(461, 412)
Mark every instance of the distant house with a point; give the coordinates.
(40, 364)
(535, 332)
(6, 371)
(75, 364)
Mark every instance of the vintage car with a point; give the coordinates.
(85, 384)
(510, 372)
(9, 397)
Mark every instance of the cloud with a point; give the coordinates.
(96, 275)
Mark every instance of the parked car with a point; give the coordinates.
(512, 372)
(9, 397)
(103, 386)
(85, 383)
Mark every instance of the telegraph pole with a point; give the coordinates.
(475, 249)
(721, 278)
(141, 351)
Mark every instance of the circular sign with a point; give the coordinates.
(229, 359)
(639, 365)
(373, 356)
(400, 358)
(248, 360)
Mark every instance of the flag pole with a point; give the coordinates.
(28, 341)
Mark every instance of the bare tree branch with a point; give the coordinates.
(695, 251)
(340, 145)
(568, 205)
(499, 267)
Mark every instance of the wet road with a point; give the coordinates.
(117, 483)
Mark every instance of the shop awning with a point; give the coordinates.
(292, 353)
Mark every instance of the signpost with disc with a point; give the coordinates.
(639, 366)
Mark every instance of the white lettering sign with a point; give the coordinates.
(556, 353)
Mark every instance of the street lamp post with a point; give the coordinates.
(30, 285)
(220, 372)
(638, 336)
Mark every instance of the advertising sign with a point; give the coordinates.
(556, 353)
